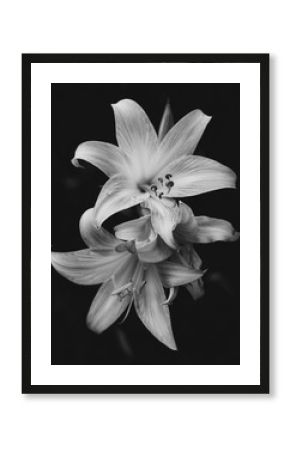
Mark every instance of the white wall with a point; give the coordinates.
(201, 422)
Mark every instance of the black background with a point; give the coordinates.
(207, 331)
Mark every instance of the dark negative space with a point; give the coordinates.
(207, 331)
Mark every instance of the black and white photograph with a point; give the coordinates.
(146, 225)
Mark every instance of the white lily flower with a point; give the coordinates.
(153, 170)
(190, 230)
(132, 271)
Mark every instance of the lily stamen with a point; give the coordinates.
(134, 292)
(128, 309)
(158, 188)
(123, 291)
(169, 185)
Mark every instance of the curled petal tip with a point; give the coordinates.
(75, 163)
(206, 117)
(116, 103)
(123, 100)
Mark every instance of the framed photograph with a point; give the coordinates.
(145, 223)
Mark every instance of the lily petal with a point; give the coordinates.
(87, 266)
(150, 309)
(203, 230)
(194, 175)
(189, 256)
(184, 229)
(95, 237)
(138, 277)
(108, 307)
(153, 250)
(174, 274)
(165, 215)
(117, 194)
(183, 137)
(138, 229)
(211, 230)
(106, 157)
(187, 215)
(166, 122)
(134, 131)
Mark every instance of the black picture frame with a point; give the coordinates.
(263, 61)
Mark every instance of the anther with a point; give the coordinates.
(170, 184)
(168, 176)
(160, 180)
(153, 188)
(160, 195)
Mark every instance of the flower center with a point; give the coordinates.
(162, 187)
(129, 289)
(123, 291)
